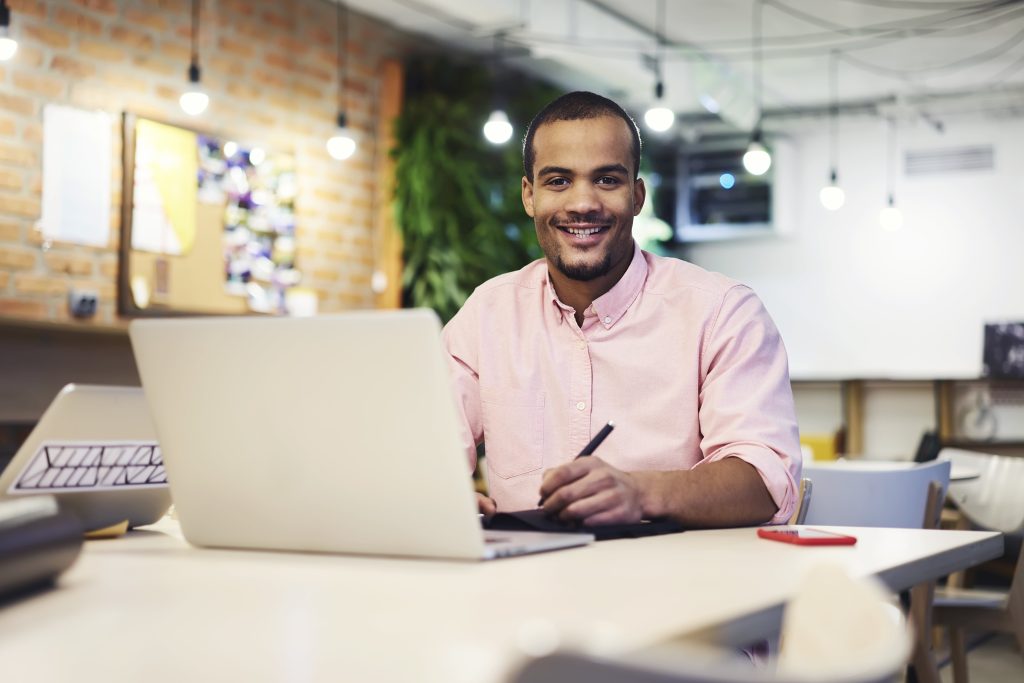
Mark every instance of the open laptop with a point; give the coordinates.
(95, 450)
(335, 433)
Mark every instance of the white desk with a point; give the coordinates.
(150, 607)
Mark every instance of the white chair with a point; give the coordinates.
(872, 493)
(994, 499)
(836, 630)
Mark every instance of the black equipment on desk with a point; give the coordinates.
(38, 541)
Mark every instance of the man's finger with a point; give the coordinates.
(557, 477)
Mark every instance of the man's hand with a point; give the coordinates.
(486, 505)
(591, 491)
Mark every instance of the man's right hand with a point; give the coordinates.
(486, 505)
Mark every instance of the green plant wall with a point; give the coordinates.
(457, 197)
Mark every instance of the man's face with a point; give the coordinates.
(582, 197)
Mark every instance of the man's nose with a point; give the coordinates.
(583, 198)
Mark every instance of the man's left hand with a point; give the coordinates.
(590, 491)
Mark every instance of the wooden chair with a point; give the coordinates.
(993, 500)
(803, 502)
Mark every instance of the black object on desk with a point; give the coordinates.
(536, 520)
(38, 541)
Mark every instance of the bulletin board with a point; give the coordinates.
(207, 223)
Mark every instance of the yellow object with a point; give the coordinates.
(823, 446)
(112, 531)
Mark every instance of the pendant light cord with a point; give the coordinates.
(833, 111)
(195, 31)
(342, 44)
(756, 29)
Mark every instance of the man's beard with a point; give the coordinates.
(584, 272)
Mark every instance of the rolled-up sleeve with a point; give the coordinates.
(461, 342)
(746, 401)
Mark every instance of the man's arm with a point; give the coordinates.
(751, 451)
(728, 492)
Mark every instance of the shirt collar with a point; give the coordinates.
(614, 303)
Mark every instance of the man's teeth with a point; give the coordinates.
(582, 232)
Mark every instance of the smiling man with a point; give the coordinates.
(687, 363)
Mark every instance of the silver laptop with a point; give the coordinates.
(95, 449)
(328, 434)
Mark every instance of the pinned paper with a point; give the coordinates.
(90, 466)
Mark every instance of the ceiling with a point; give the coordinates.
(925, 58)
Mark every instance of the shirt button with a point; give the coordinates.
(581, 405)
(581, 345)
(607, 320)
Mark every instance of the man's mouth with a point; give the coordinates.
(582, 230)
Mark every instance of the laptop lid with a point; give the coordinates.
(335, 433)
(95, 450)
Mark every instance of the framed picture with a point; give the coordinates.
(207, 223)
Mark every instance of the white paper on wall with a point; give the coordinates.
(76, 176)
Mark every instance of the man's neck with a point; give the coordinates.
(581, 294)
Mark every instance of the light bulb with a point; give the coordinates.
(890, 218)
(659, 119)
(341, 145)
(757, 160)
(8, 45)
(194, 101)
(498, 130)
(832, 197)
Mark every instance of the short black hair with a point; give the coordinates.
(575, 106)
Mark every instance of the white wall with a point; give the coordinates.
(854, 300)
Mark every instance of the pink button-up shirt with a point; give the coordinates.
(687, 363)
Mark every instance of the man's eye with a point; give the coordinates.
(557, 182)
(607, 180)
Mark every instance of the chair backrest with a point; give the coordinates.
(872, 493)
(994, 499)
(803, 502)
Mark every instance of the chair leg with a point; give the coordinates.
(958, 655)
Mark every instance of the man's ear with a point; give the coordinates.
(639, 195)
(528, 196)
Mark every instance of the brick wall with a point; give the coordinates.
(269, 68)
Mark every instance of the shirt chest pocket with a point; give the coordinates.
(513, 430)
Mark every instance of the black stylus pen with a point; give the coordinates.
(592, 446)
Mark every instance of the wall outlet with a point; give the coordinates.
(82, 303)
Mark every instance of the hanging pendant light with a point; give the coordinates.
(659, 118)
(8, 45)
(832, 196)
(890, 217)
(342, 144)
(498, 129)
(757, 160)
(194, 100)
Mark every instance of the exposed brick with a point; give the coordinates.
(5, 277)
(279, 60)
(100, 50)
(78, 22)
(124, 83)
(49, 87)
(279, 20)
(28, 8)
(23, 308)
(326, 275)
(237, 7)
(7, 127)
(32, 132)
(149, 19)
(16, 258)
(167, 92)
(16, 104)
(20, 206)
(140, 40)
(157, 64)
(47, 36)
(176, 52)
(237, 48)
(39, 284)
(109, 269)
(16, 155)
(102, 6)
(28, 56)
(72, 67)
(69, 264)
(11, 180)
(9, 231)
